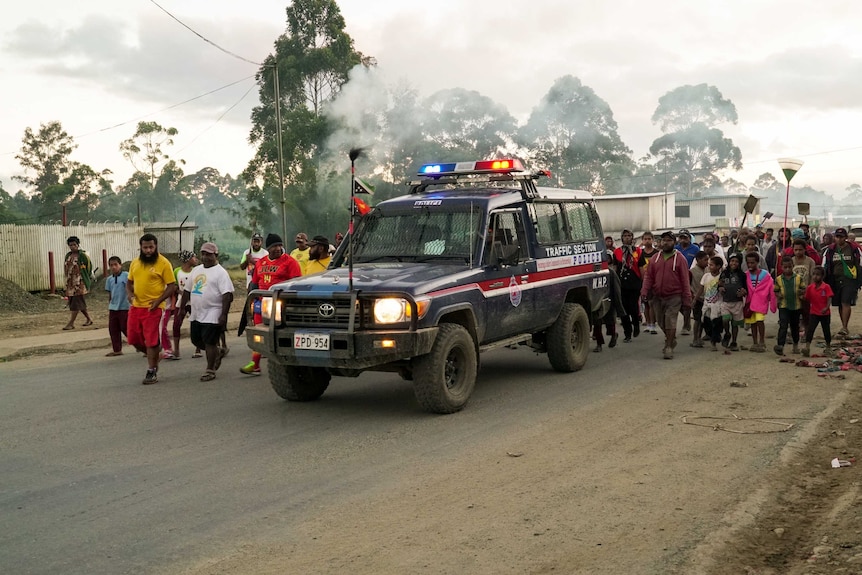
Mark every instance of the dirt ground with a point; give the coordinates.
(804, 517)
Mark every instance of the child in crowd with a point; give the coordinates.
(818, 295)
(648, 250)
(790, 290)
(118, 305)
(712, 320)
(761, 300)
(695, 273)
(732, 285)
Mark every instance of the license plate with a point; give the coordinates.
(315, 341)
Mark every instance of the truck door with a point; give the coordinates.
(509, 302)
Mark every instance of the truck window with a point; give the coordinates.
(582, 221)
(505, 241)
(550, 223)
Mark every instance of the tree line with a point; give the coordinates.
(329, 101)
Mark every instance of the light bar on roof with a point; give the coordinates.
(503, 166)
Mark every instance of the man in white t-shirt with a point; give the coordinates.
(251, 255)
(210, 292)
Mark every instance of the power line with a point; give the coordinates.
(198, 97)
(156, 112)
(235, 104)
(210, 42)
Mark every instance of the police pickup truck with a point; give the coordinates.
(474, 257)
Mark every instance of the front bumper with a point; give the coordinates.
(359, 350)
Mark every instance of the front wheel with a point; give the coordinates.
(568, 339)
(298, 383)
(443, 379)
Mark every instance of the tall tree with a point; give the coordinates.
(145, 149)
(692, 149)
(45, 156)
(313, 57)
(573, 133)
(464, 124)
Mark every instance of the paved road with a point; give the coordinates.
(99, 474)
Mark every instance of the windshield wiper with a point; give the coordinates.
(378, 259)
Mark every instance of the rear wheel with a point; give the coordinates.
(298, 383)
(569, 339)
(443, 379)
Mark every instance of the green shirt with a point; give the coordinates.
(789, 292)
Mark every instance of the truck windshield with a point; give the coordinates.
(418, 235)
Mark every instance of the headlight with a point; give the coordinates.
(397, 310)
(266, 309)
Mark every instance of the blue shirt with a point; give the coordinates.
(117, 286)
(688, 252)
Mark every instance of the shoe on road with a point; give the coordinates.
(250, 369)
(151, 377)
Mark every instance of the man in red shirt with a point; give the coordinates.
(270, 270)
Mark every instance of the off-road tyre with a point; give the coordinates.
(568, 339)
(443, 379)
(298, 383)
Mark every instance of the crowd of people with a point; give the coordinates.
(149, 303)
(731, 282)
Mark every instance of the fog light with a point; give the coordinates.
(385, 343)
(258, 339)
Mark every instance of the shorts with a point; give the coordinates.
(142, 328)
(77, 303)
(697, 310)
(846, 290)
(732, 310)
(666, 310)
(205, 334)
(755, 317)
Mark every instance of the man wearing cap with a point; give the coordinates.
(272, 269)
(251, 255)
(685, 247)
(301, 252)
(209, 293)
(841, 261)
(626, 258)
(666, 287)
(318, 255)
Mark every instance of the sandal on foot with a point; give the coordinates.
(196, 355)
(113, 353)
(68, 327)
(208, 376)
(89, 323)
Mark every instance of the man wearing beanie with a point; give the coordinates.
(272, 269)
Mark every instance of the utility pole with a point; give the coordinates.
(280, 152)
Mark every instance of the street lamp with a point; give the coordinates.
(789, 166)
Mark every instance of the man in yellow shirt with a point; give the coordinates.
(301, 253)
(318, 256)
(151, 282)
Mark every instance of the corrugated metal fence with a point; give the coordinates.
(24, 250)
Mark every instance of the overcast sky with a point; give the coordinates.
(791, 67)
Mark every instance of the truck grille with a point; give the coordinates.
(307, 312)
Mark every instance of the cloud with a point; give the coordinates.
(150, 63)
